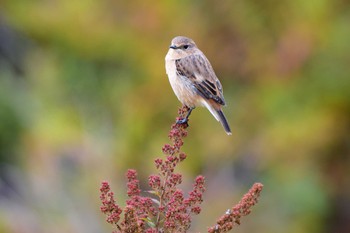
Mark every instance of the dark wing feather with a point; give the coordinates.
(199, 71)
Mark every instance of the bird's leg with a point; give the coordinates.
(185, 119)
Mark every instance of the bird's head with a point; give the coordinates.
(182, 46)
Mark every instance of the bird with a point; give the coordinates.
(193, 79)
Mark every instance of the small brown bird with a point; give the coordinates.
(193, 79)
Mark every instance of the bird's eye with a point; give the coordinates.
(186, 46)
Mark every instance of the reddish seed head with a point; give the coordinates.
(131, 174)
(182, 156)
(173, 209)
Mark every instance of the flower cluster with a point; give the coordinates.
(174, 210)
(170, 210)
(142, 206)
(109, 207)
(233, 216)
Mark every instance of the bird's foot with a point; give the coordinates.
(182, 121)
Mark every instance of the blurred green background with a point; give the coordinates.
(84, 96)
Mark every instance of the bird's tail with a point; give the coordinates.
(219, 116)
(223, 122)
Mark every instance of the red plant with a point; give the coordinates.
(170, 210)
(233, 216)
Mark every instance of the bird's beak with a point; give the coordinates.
(173, 47)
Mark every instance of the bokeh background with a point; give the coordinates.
(84, 96)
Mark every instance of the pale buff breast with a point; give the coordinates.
(181, 85)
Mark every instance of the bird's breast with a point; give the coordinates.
(182, 86)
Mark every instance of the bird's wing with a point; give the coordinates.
(199, 71)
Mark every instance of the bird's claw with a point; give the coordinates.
(182, 121)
